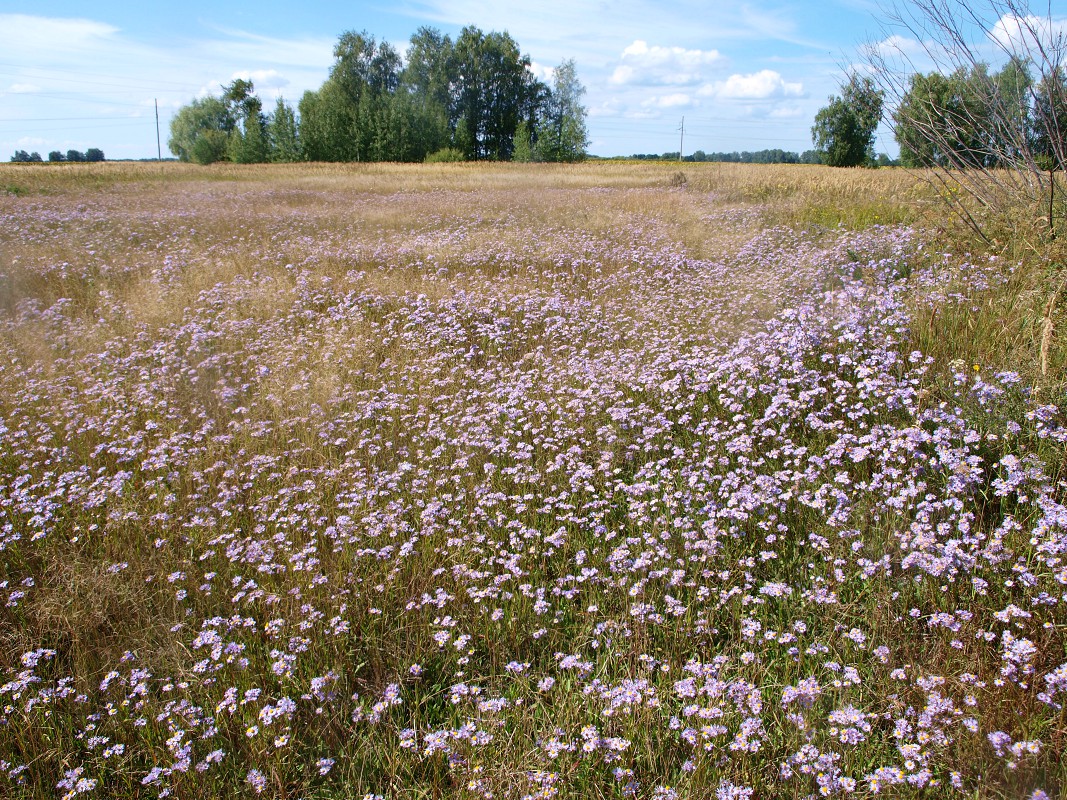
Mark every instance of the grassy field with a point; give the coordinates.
(515, 481)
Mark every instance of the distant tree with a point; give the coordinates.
(210, 146)
(282, 134)
(248, 138)
(522, 149)
(562, 133)
(1050, 120)
(844, 130)
(987, 139)
(75, 155)
(35, 157)
(200, 131)
(495, 91)
(94, 154)
(55, 155)
(432, 71)
(364, 65)
(945, 120)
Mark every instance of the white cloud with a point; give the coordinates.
(23, 33)
(897, 45)
(763, 85)
(641, 115)
(655, 65)
(23, 88)
(542, 73)
(673, 100)
(238, 45)
(1026, 34)
(786, 112)
(608, 108)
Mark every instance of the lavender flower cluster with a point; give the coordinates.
(512, 510)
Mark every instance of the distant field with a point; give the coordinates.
(601, 481)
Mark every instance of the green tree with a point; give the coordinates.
(950, 120)
(561, 132)
(75, 155)
(844, 130)
(200, 131)
(56, 155)
(495, 91)
(522, 149)
(282, 135)
(431, 72)
(248, 139)
(1049, 131)
(364, 65)
(94, 154)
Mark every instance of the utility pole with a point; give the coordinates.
(159, 147)
(681, 139)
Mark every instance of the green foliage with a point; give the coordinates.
(22, 157)
(471, 94)
(943, 120)
(445, 155)
(210, 146)
(844, 130)
(55, 155)
(496, 90)
(199, 131)
(561, 130)
(1050, 119)
(94, 154)
(282, 137)
(522, 147)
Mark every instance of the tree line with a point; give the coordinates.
(769, 156)
(91, 155)
(973, 117)
(472, 98)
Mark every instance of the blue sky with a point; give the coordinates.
(745, 76)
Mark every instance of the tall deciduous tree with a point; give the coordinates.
(248, 139)
(844, 130)
(496, 90)
(561, 132)
(200, 131)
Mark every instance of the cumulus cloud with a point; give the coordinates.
(642, 64)
(541, 72)
(763, 85)
(1024, 34)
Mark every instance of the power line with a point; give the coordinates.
(72, 97)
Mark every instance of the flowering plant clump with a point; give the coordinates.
(295, 502)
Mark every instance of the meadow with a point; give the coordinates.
(515, 481)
